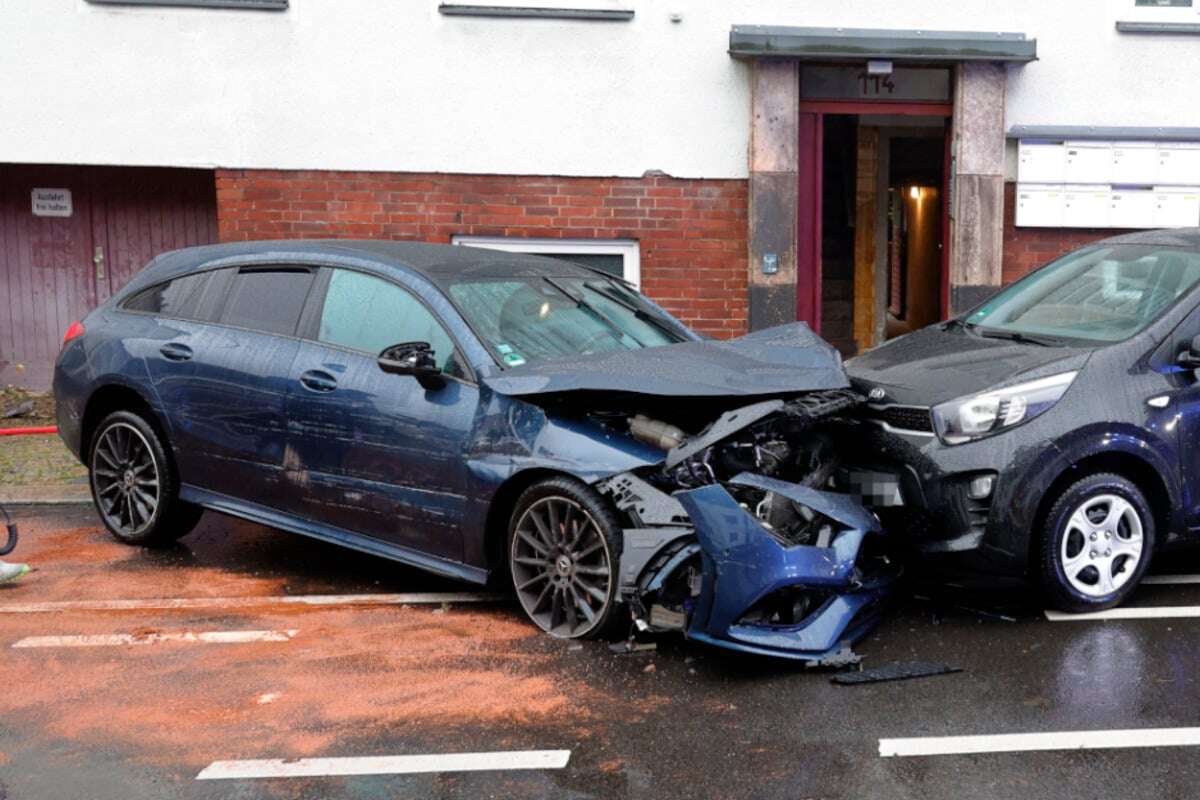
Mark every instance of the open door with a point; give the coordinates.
(808, 224)
(845, 250)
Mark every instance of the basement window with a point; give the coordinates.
(618, 257)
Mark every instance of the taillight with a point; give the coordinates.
(73, 332)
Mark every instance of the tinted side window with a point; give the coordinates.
(179, 298)
(268, 300)
(366, 313)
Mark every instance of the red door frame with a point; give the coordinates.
(811, 178)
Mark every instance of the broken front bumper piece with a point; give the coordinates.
(834, 590)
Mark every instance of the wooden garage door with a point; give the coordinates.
(60, 260)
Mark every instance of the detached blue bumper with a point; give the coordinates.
(744, 563)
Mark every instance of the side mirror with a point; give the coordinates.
(412, 358)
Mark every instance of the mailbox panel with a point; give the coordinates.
(1132, 208)
(1135, 163)
(1088, 162)
(1039, 206)
(1178, 164)
(1176, 206)
(1086, 206)
(1041, 162)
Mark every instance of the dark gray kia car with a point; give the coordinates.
(1053, 432)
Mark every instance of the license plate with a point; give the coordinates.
(877, 489)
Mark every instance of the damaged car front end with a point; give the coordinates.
(730, 535)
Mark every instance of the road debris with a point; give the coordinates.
(19, 410)
(899, 671)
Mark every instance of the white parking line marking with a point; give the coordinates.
(1023, 742)
(1150, 612)
(1166, 580)
(385, 765)
(120, 639)
(173, 603)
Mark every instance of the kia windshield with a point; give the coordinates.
(1099, 294)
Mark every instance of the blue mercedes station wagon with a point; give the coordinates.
(483, 415)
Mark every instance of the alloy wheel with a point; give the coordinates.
(561, 567)
(1101, 546)
(125, 478)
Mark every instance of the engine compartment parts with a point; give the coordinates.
(655, 433)
(735, 539)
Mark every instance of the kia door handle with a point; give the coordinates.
(318, 381)
(174, 351)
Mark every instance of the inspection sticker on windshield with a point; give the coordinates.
(509, 356)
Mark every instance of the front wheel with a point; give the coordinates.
(564, 547)
(134, 484)
(1098, 540)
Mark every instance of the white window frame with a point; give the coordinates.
(628, 249)
(1136, 13)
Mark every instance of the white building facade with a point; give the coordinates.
(855, 165)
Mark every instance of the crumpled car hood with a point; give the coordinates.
(787, 358)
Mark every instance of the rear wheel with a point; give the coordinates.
(134, 484)
(564, 547)
(1098, 541)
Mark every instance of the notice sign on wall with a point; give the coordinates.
(52, 202)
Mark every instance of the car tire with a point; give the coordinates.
(564, 551)
(1097, 543)
(134, 483)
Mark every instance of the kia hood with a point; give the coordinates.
(933, 365)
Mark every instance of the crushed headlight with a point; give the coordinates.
(979, 415)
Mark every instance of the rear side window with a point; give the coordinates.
(366, 313)
(180, 298)
(268, 300)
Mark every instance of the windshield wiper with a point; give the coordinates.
(640, 313)
(614, 330)
(1017, 336)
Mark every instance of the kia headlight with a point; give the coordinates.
(979, 415)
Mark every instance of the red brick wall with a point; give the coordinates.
(1025, 249)
(692, 232)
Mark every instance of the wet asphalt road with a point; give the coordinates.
(682, 722)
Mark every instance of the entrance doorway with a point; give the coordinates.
(873, 222)
(70, 236)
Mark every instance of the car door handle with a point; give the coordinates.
(174, 351)
(318, 381)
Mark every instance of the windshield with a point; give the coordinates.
(1100, 294)
(530, 319)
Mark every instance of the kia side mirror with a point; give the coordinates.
(1190, 356)
(413, 358)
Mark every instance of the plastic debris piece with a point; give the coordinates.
(840, 660)
(19, 410)
(899, 671)
(630, 646)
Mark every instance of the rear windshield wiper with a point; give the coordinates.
(1017, 336)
